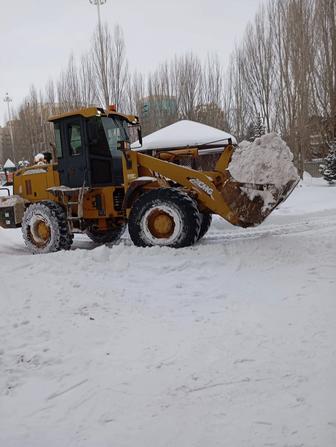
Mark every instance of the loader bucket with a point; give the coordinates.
(252, 203)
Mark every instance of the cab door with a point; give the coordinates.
(72, 158)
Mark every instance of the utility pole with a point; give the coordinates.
(99, 3)
(8, 100)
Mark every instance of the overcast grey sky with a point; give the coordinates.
(38, 36)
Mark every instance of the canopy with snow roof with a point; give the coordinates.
(184, 134)
(9, 164)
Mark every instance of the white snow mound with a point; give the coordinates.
(183, 134)
(267, 160)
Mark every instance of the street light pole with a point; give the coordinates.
(99, 3)
(7, 99)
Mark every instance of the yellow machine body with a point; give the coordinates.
(34, 184)
(98, 209)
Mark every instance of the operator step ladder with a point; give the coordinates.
(71, 197)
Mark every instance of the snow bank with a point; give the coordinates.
(267, 160)
(159, 347)
(182, 134)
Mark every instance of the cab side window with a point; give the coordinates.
(59, 152)
(74, 138)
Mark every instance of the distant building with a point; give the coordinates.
(158, 104)
(157, 111)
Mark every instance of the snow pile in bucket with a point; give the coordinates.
(268, 160)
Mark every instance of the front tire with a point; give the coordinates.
(45, 228)
(206, 220)
(165, 217)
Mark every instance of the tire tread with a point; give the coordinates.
(58, 217)
(178, 198)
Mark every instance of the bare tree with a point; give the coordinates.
(293, 49)
(324, 73)
(189, 79)
(87, 86)
(117, 69)
(236, 105)
(100, 54)
(68, 87)
(284, 68)
(109, 65)
(135, 90)
(258, 70)
(210, 108)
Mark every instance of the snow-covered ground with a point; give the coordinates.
(228, 343)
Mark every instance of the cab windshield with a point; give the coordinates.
(105, 134)
(116, 130)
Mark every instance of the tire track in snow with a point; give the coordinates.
(70, 388)
(220, 231)
(309, 224)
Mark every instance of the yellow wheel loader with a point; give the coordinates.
(97, 185)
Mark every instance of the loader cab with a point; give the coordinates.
(88, 149)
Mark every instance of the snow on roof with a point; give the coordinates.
(182, 134)
(9, 164)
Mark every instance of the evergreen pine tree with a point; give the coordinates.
(259, 128)
(328, 169)
(250, 132)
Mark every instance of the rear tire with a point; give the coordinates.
(165, 217)
(45, 228)
(206, 220)
(106, 237)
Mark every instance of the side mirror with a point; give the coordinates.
(139, 135)
(124, 147)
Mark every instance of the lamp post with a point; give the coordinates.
(99, 3)
(8, 100)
